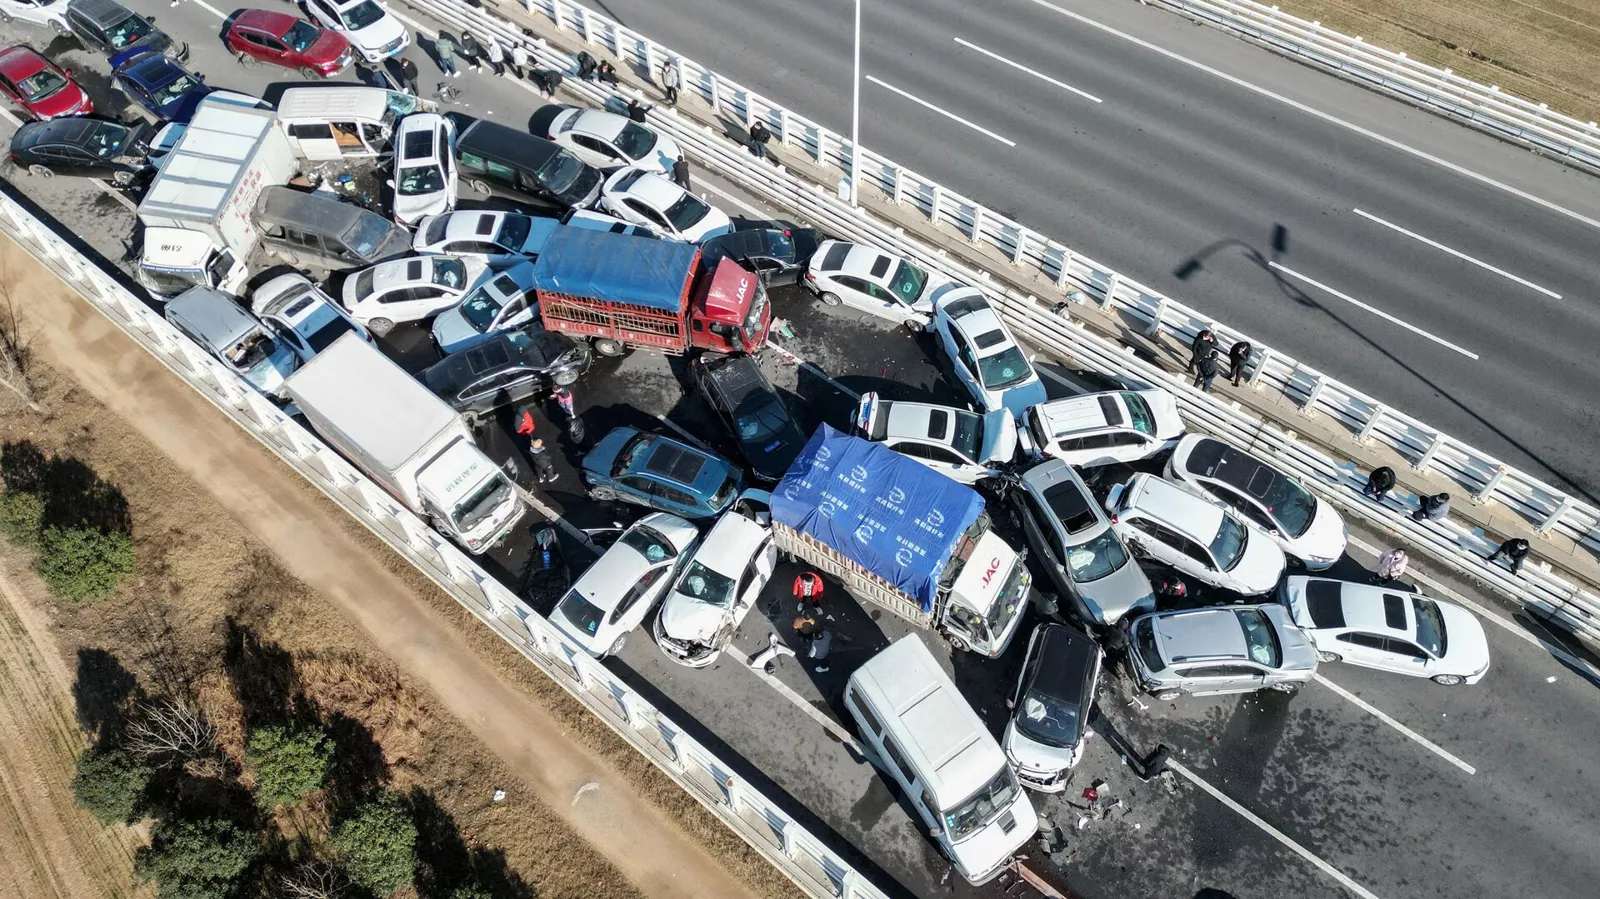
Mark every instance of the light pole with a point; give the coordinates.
(855, 113)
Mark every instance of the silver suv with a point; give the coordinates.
(1233, 649)
(1073, 540)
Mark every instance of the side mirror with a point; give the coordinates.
(389, 182)
(1010, 704)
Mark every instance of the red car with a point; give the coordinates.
(39, 87)
(283, 40)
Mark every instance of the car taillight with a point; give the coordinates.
(810, 276)
(1113, 519)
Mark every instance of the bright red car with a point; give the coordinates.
(283, 40)
(39, 87)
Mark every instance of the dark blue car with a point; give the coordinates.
(161, 86)
(660, 473)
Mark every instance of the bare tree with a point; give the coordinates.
(316, 880)
(171, 727)
(16, 351)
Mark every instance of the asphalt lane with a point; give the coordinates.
(1175, 160)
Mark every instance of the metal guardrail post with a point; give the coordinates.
(1154, 327)
(1426, 459)
(1022, 240)
(977, 222)
(1371, 424)
(938, 201)
(583, 24)
(1309, 410)
(1562, 510)
(899, 185)
(1493, 484)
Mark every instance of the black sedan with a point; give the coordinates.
(753, 410)
(89, 148)
(778, 256)
(510, 367)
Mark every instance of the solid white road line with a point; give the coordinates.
(1373, 309)
(1456, 253)
(1022, 68)
(209, 8)
(1374, 711)
(949, 115)
(1334, 120)
(1327, 868)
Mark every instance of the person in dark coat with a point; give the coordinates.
(607, 73)
(587, 65)
(543, 468)
(408, 74)
(759, 135)
(1205, 343)
(680, 174)
(1432, 508)
(470, 51)
(1238, 357)
(1209, 367)
(637, 110)
(1379, 483)
(1515, 550)
(546, 80)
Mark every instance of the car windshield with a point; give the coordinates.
(363, 14)
(1144, 640)
(1048, 719)
(1008, 602)
(687, 211)
(449, 273)
(1004, 369)
(704, 585)
(127, 31)
(634, 141)
(580, 612)
(1291, 506)
(982, 807)
(1430, 626)
(1139, 414)
(1228, 545)
(419, 179)
(367, 234)
(630, 453)
(513, 232)
(477, 506)
(482, 305)
(327, 331)
(908, 282)
(968, 437)
(41, 84)
(1095, 558)
(1260, 642)
(763, 417)
(648, 542)
(251, 353)
(560, 171)
(175, 90)
(105, 140)
(300, 35)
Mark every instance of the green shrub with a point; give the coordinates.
(287, 763)
(21, 513)
(379, 845)
(470, 891)
(203, 859)
(110, 784)
(83, 564)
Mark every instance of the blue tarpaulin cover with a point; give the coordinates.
(892, 515)
(619, 268)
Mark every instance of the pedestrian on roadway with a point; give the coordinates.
(408, 74)
(1432, 508)
(547, 80)
(543, 469)
(519, 60)
(1515, 550)
(607, 73)
(1171, 590)
(470, 50)
(1379, 483)
(1238, 357)
(680, 173)
(1391, 565)
(671, 78)
(496, 56)
(759, 135)
(637, 110)
(1205, 343)
(444, 50)
(587, 65)
(1208, 369)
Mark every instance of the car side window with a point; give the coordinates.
(674, 495)
(1045, 518)
(311, 131)
(1245, 507)
(1369, 641)
(1406, 648)
(1124, 438)
(589, 143)
(878, 293)
(514, 308)
(941, 454)
(638, 484)
(1204, 671)
(645, 211)
(914, 450)
(502, 173)
(637, 591)
(471, 162)
(968, 361)
(897, 758)
(1193, 550)
(850, 283)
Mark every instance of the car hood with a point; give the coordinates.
(1326, 537)
(326, 48)
(183, 108)
(999, 437)
(1022, 397)
(993, 845)
(1466, 649)
(1262, 565)
(379, 33)
(1299, 652)
(409, 209)
(452, 331)
(1119, 593)
(600, 459)
(770, 458)
(1030, 753)
(1169, 423)
(684, 618)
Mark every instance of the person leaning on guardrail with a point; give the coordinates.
(1205, 343)
(1432, 508)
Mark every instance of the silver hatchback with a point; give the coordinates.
(1231, 649)
(1074, 542)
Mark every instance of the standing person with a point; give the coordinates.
(607, 73)
(547, 80)
(680, 173)
(1208, 369)
(470, 50)
(759, 135)
(1391, 565)
(586, 65)
(1432, 508)
(1205, 343)
(569, 408)
(636, 110)
(444, 49)
(408, 74)
(1515, 550)
(1238, 356)
(671, 78)
(496, 56)
(543, 469)
(519, 60)
(1379, 483)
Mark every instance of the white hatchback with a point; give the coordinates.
(495, 237)
(963, 446)
(615, 594)
(304, 318)
(37, 12)
(366, 24)
(424, 180)
(984, 356)
(1102, 428)
(716, 590)
(873, 281)
(408, 290)
(1165, 522)
(645, 198)
(606, 140)
(1389, 629)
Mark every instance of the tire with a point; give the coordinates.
(40, 171)
(1329, 656)
(830, 299)
(617, 645)
(247, 61)
(122, 179)
(1287, 689)
(478, 186)
(605, 346)
(1168, 695)
(5, 18)
(1449, 680)
(60, 28)
(380, 326)
(602, 494)
(565, 378)
(915, 325)
(309, 73)
(958, 644)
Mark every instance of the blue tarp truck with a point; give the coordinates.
(901, 536)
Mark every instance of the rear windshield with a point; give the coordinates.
(634, 141)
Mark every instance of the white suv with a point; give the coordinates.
(1163, 521)
(721, 584)
(425, 167)
(984, 356)
(1101, 428)
(959, 444)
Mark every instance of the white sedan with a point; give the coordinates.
(871, 280)
(606, 140)
(307, 320)
(370, 28)
(37, 12)
(615, 594)
(716, 590)
(963, 446)
(495, 237)
(645, 198)
(983, 354)
(1392, 630)
(408, 290)
(424, 180)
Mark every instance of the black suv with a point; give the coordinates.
(88, 148)
(119, 32)
(751, 408)
(508, 368)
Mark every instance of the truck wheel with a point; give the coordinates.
(380, 326)
(565, 378)
(958, 644)
(602, 494)
(829, 299)
(605, 346)
(40, 171)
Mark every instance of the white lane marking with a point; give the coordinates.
(1456, 253)
(1374, 310)
(828, 724)
(1022, 68)
(1374, 711)
(1327, 868)
(1334, 120)
(949, 115)
(209, 8)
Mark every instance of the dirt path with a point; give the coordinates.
(290, 517)
(49, 848)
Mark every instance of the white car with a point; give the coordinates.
(1165, 522)
(1102, 428)
(424, 180)
(716, 590)
(872, 281)
(590, 220)
(37, 12)
(498, 302)
(645, 198)
(408, 290)
(369, 27)
(983, 355)
(494, 237)
(615, 594)
(963, 446)
(606, 140)
(304, 318)
(1307, 528)
(1392, 630)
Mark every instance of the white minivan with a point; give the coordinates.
(941, 754)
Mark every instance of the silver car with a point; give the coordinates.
(236, 338)
(1074, 542)
(1231, 649)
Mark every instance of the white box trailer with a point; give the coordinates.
(198, 230)
(407, 439)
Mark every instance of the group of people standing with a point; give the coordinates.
(1205, 359)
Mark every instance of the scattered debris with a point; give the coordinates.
(499, 795)
(586, 788)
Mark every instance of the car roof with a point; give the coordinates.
(599, 123)
(654, 189)
(65, 130)
(736, 377)
(212, 315)
(1366, 607)
(532, 346)
(1200, 634)
(153, 69)
(405, 271)
(868, 262)
(1211, 458)
(981, 326)
(473, 224)
(922, 421)
(417, 137)
(285, 205)
(20, 62)
(730, 544)
(1089, 412)
(1175, 507)
(1067, 497)
(266, 20)
(504, 144)
(672, 461)
(1067, 660)
(101, 12)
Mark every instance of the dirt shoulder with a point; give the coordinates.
(473, 678)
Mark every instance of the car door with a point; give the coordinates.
(1038, 527)
(1197, 560)
(636, 603)
(637, 210)
(266, 47)
(514, 313)
(1365, 649)
(11, 91)
(853, 292)
(1152, 541)
(638, 489)
(950, 463)
(1210, 679)
(1245, 506)
(1406, 657)
(964, 362)
(1126, 446)
(594, 151)
(755, 578)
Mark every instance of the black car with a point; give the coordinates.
(120, 33)
(495, 160)
(88, 148)
(509, 367)
(778, 256)
(752, 410)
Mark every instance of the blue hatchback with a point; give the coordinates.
(660, 473)
(161, 86)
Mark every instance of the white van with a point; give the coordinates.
(339, 121)
(934, 745)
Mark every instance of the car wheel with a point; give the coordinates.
(478, 186)
(380, 326)
(829, 299)
(1293, 563)
(959, 644)
(61, 27)
(1168, 695)
(1449, 680)
(1288, 689)
(246, 60)
(309, 74)
(602, 494)
(5, 18)
(616, 646)
(1329, 656)
(605, 346)
(40, 171)
(915, 325)
(565, 378)
(122, 179)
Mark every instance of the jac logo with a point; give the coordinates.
(897, 496)
(994, 565)
(744, 288)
